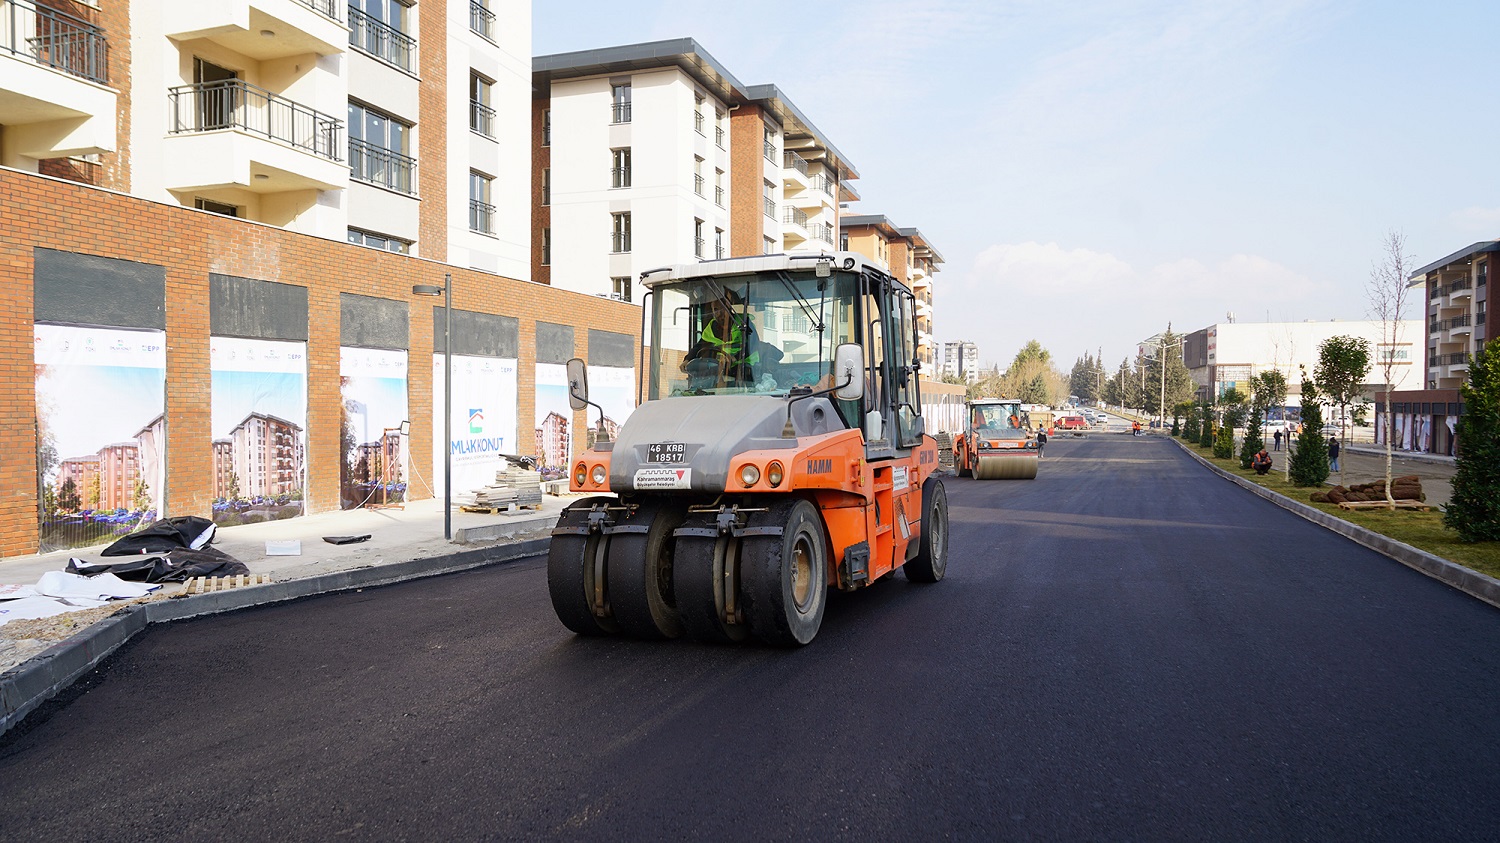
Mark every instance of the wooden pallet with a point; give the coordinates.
(498, 510)
(1414, 506)
(205, 585)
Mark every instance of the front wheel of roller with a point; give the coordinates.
(641, 592)
(786, 576)
(931, 561)
(705, 586)
(575, 577)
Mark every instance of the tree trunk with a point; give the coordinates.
(1390, 425)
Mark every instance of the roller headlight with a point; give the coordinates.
(579, 475)
(598, 475)
(749, 475)
(774, 474)
(983, 445)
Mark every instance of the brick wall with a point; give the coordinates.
(541, 215)
(747, 216)
(36, 211)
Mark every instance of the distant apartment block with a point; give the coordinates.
(649, 155)
(908, 255)
(267, 456)
(383, 460)
(552, 440)
(961, 360)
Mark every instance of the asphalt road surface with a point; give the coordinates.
(1125, 648)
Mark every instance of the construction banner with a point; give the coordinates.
(373, 440)
(483, 420)
(554, 421)
(259, 424)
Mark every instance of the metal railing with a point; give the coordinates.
(620, 112)
(620, 242)
(380, 166)
(719, 136)
(824, 232)
(236, 104)
(1460, 284)
(793, 161)
(769, 149)
(770, 207)
(825, 184)
(795, 216)
(698, 246)
(481, 118)
(698, 184)
(719, 196)
(481, 20)
(326, 8)
(698, 122)
(719, 251)
(619, 176)
(380, 39)
(481, 217)
(1463, 321)
(55, 39)
(1436, 292)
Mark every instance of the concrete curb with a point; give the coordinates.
(1470, 582)
(28, 685)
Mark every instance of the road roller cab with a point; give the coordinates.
(997, 443)
(778, 450)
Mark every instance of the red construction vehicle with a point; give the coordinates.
(779, 451)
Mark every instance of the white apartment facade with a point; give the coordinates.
(1228, 354)
(650, 155)
(403, 126)
(961, 360)
(909, 256)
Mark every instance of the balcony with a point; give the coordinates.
(53, 75)
(381, 40)
(481, 20)
(381, 167)
(234, 134)
(794, 217)
(793, 161)
(481, 119)
(1460, 290)
(1461, 326)
(481, 217)
(259, 29)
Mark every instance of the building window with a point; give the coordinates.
(216, 207)
(379, 241)
(621, 241)
(770, 245)
(697, 175)
(379, 149)
(719, 187)
(546, 186)
(547, 127)
(719, 127)
(698, 237)
(620, 288)
(382, 28)
(719, 243)
(482, 19)
(1484, 273)
(698, 114)
(546, 247)
(843, 242)
(620, 94)
(481, 114)
(768, 192)
(619, 174)
(769, 145)
(481, 211)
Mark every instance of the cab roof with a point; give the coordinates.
(846, 261)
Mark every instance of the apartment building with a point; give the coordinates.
(909, 256)
(342, 119)
(961, 360)
(654, 154)
(1453, 293)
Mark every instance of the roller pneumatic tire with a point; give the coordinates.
(641, 594)
(573, 561)
(702, 579)
(961, 461)
(786, 577)
(931, 561)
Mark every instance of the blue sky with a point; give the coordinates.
(1091, 170)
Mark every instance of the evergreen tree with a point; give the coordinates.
(1224, 442)
(67, 496)
(1309, 463)
(1176, 426)
(1206, 433)
(1190, 429)
(1253, 442)
(1474, 511)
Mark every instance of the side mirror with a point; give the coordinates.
(848, 370)
(578, 384)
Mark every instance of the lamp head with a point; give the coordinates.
(426, 290)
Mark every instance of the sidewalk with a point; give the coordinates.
(38, 658)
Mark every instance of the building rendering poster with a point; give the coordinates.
(259, 423)
(613, 389)
(554, 421)
(100, 409)
(484, 419)
(373, 385)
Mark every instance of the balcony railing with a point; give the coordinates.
(769, 149)
(822, 231)
(481, 20)
(326, 8)
(719, 196)
(795, 216)
(380, 166)
(719, 251)
(825, 184)
(770, 207)
(481, 118)
(698, 184)
(793, 161)
(55, 39)
(619, 176)
(620, 113)
(1436, 292)
(698, 246)
(1463, 321)
(235, 104)
(481, 217)
(719, 136)
(1460, 284)
(698, 122)
(380, 39)
(619, 242)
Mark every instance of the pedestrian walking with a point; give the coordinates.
(1333, 453)
(1041, 441)
(1276, 438)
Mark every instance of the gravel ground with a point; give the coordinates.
(23, 639)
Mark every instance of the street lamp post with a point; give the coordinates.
(446, 291)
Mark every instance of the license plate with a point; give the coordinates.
(666, 452)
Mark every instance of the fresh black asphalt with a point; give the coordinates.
(1126, 648)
